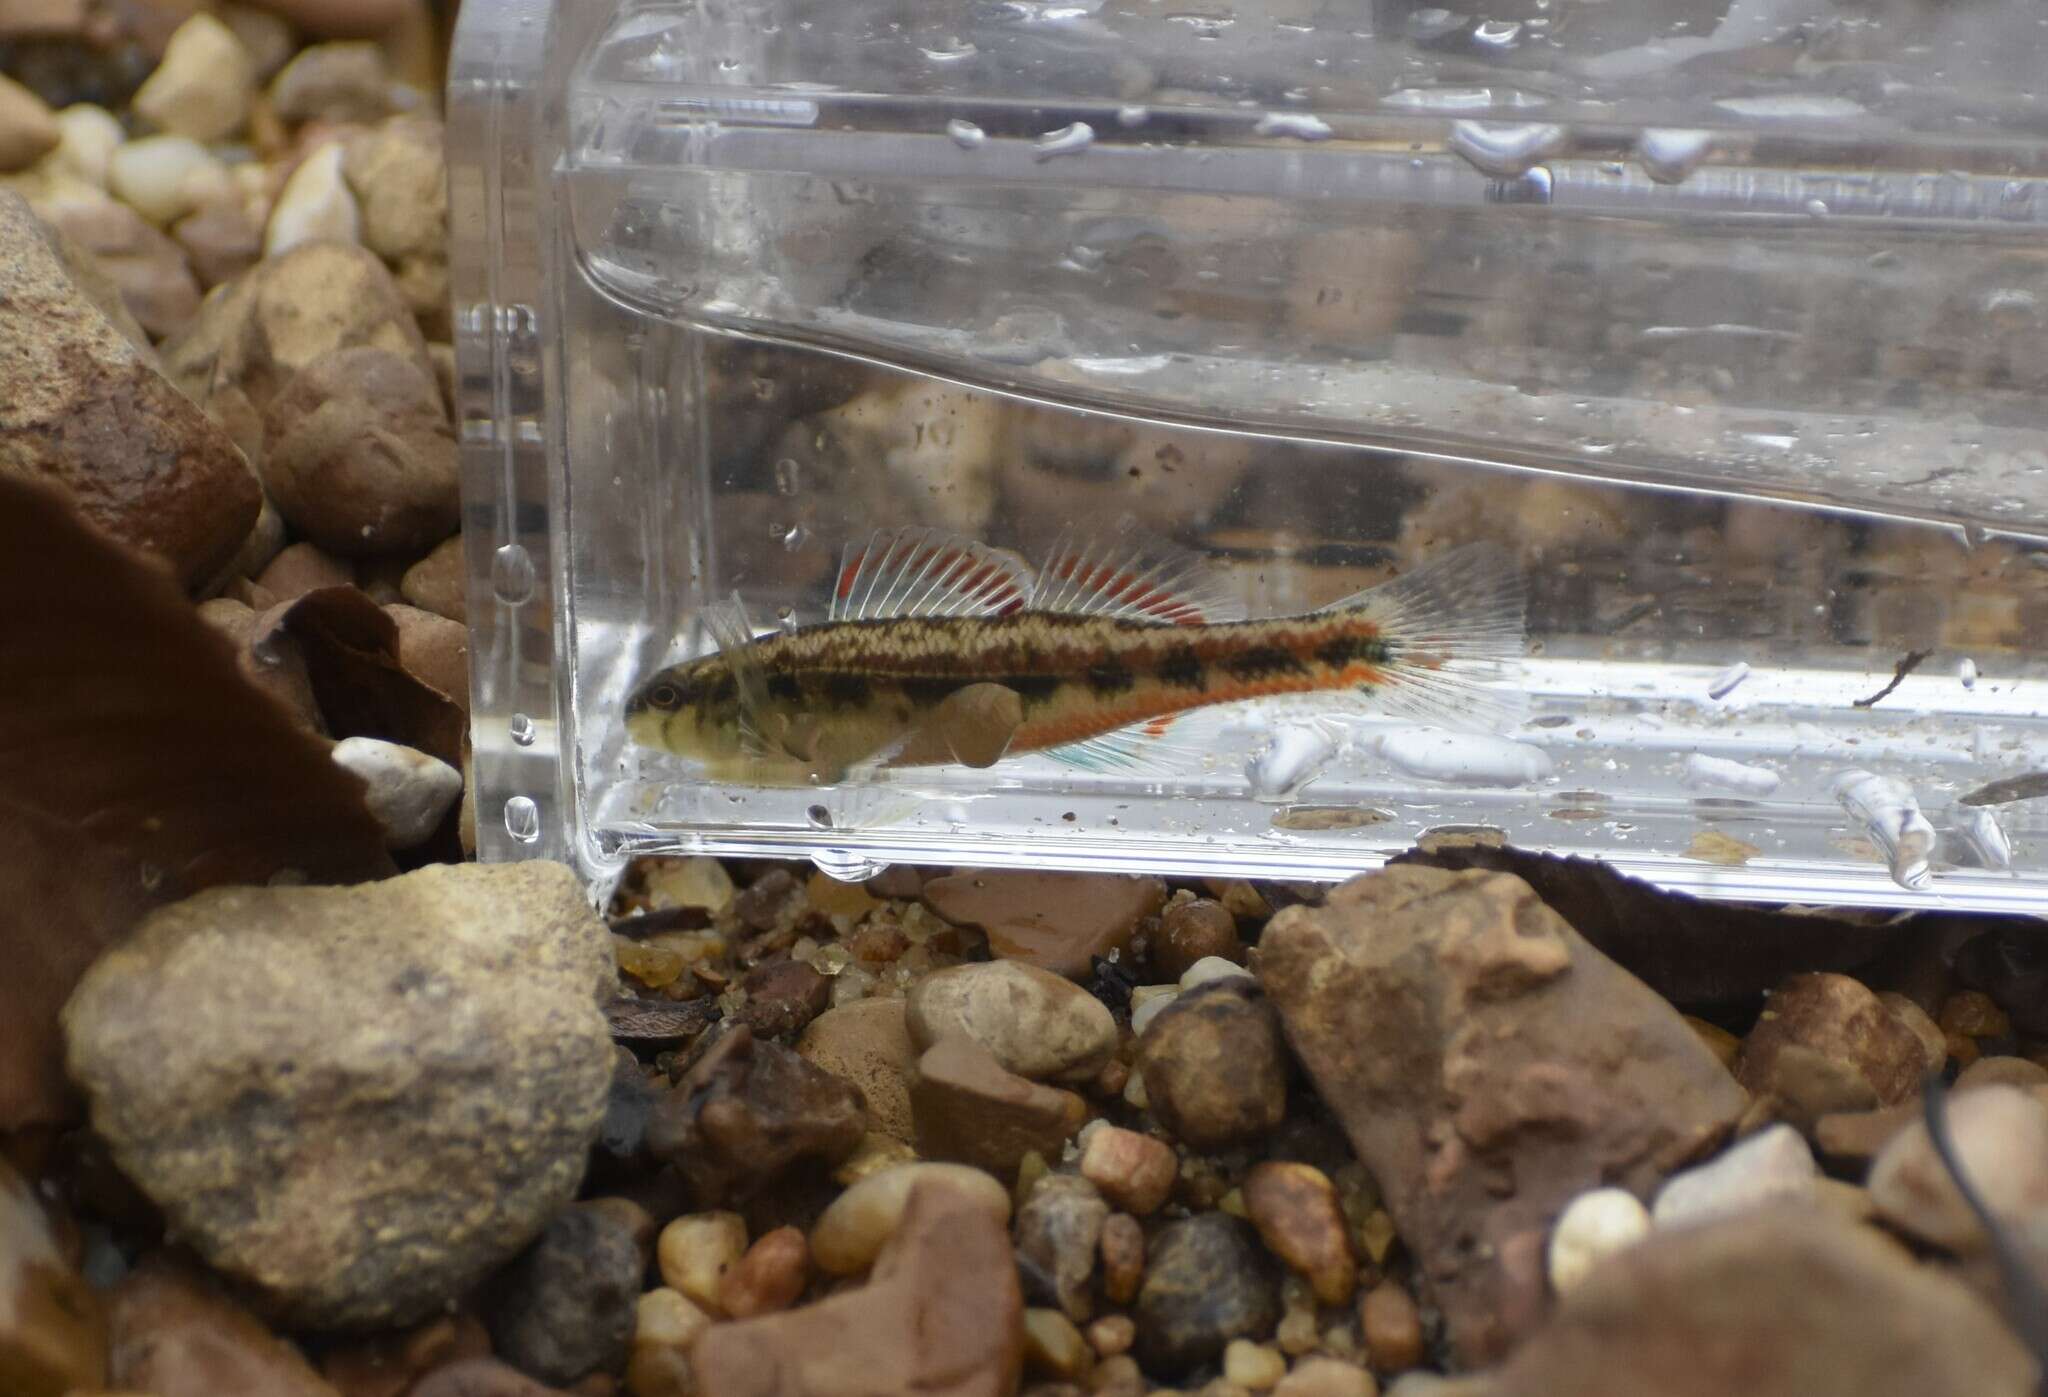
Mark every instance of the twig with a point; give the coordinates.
(1910, 662)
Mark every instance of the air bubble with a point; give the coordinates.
(521, 729)
(1891, 816)
(1507, 151)
(1669, 155)
(1300, 125)
(819, 816)
(1728, 680)
(795, 536)
(1296, 756)
(522, 819)
(966, 134)
(1071, 139)
(1979, 828)
(1133, 116)
(1720, 773)
(1966, 671)
(512, 575)
(845, 866)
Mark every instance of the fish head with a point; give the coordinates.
(691, 709)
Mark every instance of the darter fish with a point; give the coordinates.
(941, 650)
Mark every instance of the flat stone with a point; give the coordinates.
(408, 792)
(175, 1333)
(564, 1309)
(439, 582)
(941, 1316)
(1035, 1023)
(1214, 1065)
(1780, 1302)
(868, 1044)
(1207, 1281)
(83, 407)
(1488, 1065)
(245, 1051)
(1055, 921)
(2000, 1135)
(1772, 1166)
(968, 1108)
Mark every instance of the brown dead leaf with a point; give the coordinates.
(350, 646)
(138, 766)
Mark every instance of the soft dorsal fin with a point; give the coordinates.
(915, 571)
(1129, 574)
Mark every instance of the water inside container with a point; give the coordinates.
(1727, 328)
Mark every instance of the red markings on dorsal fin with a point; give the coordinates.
(926, 572)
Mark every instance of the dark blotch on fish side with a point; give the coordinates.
(784, 687)
(926, 691)
(844, 690)
(1181, 667)
(1032, 687)
(1262, 662)
(1110, 677)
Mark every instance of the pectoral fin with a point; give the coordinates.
(976, 723)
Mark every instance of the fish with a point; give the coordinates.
(942, 650)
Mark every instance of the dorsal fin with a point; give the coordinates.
(1129, 574)
(916, 571)
(729, 628)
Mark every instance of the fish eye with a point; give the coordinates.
(664, 696)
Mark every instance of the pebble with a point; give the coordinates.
(408, 792)
(174, 1333)
(1119, 1376)
(1326, 1377)
(868, 1044)
(1112, 1335)
(2001, 1071)
(851, 1231)
(783, 996)
(1058, 1230)
(1294, 1206)
(479, 1377)
(1255, 1367)
(28, 129)
(696, 1250)
(1392, 1327)
(356, 1013)
(1123, 1258)
(769, 1277)
(315, 205)
(439, 582)
(1842, 1021)
(747, 1113)
(341, 83)
(1933, 1041)
(52, 1333)
(163, 178)
(342, 19)
(1054, 1347)
(300, 568)
(1214, 1065)
(433, 650)
(220, 241)
(1057, 922)
(1207, 1281)
(1212, 968)
(88, 138)
(2001, 1141)
(1035, 1023)
(1596, 1224)
(1724, 1045)
(967, 1108)
(1134, 1171)
(1191, 931)
(387, 1365)
(1973, 1014)
(400, 179)
(665, 1324)
(566, 1307)
(1774, 1165)
(1146, 1003)
(146, 268)
(204, 84)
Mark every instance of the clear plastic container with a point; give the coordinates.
(1728, 320)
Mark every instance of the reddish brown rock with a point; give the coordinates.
(147, 268)
(968, 1108)
(480, 1377)
(300, 568)
(1488, 1066)
(941, 1316)
(1391, 1326)
(1134, 1171)
(269, 659)
(1295, 1208)
(1191, 931)
(83, 407)
(221, 241)
(868, 1044)
(52, 1335)
(783, 996)
(1786, 1302)
(434, 650)
(1123, 1258)
(175, 1334)
(1215, 1069)
(388, 1364)
(1841, 1022)
(439, 582)
(1056, 921)
(769, 1277)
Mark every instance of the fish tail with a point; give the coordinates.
(1454, 631)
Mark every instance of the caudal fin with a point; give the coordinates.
(1455, 630)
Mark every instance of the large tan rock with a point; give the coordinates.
(82, 405)
(358, 1100)
(1488, 1066)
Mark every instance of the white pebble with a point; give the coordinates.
(1212, 968)
(407, 791)
(90, 136)
(1771, 1166)
(1720, 773)
(1594, 1225)
(163, 178)
(315, 205)
(203, 87)
(1148, 1000)
(850, 1233)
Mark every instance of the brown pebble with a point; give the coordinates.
(439, 581)
(769, 1277)
(1054, 1347)
(1720, 1042)
(1134, 1171)
(1392, 1327)
(1123, 1258)
(2002, 1071)
(1118, 1376)
(967, 1108)
(1113, 1078)
(1295, 1208)
(783, 996)
(1112, 1334)
(1973, 1014)
(386, 1366)
(1192, 931)
(300, 568)
(479, 1377)
(878, 943)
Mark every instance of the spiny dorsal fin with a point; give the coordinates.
(916, 571)
(729, 628)
(1129, 574)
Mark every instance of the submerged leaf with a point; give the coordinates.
(137, 766)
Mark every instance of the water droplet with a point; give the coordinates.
(956, 50)
(1728, 680)
(1668, 155)
(1966, 671)
(1891, 817)
(1133, 115)
(819, 816)
(788, 476)
(1296, 756)
(512, 575)
(785, 617)
(522, 819)
(1497, 33)
(966, 134)
(795, 536)
(1068, 140)
(1425, 25)
(521, 728)
(1299, 125)
(1506, 150)
(1816, 208)
(845, 866)
(1978, 825)
(1703, 772)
